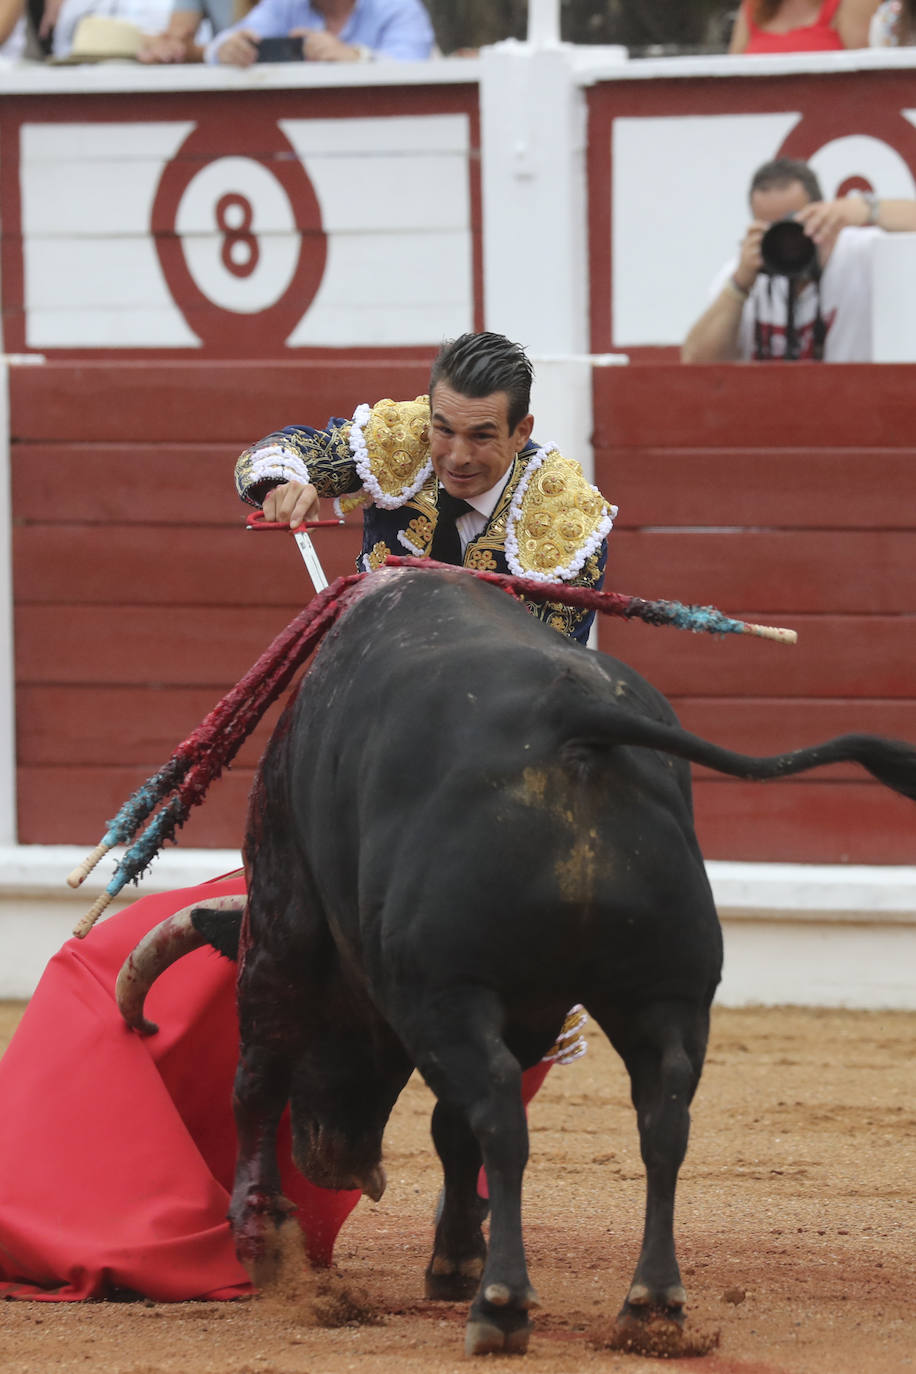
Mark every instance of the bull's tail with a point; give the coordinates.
(892, 762)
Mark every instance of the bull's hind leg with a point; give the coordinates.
(663, 1047)
(458, 1047)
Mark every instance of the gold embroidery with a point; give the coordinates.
(480, 559)
(377, 555)
(560, 514)
(351, 503)
(420, 531)
(397, 442)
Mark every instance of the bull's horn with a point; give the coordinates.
(159, 948)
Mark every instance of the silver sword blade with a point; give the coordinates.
(311, 560)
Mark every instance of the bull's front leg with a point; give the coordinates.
(459, 1249)
(257, 1208)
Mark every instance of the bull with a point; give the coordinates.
(462, 825)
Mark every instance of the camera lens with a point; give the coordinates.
(786, 249)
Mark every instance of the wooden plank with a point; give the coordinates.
(833, 822)
(765, 822)
(135, 725)
(836, 656)
(112, 725)
(125, 483)
(761, 725)
(72, 806)
(767, 404)
(777, 488)
(132, 565)
(785, 572)
(150, 646)
(96, 725)
(186, 402)
(852, 572)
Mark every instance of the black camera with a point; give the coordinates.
(280, 50)
(787, 251)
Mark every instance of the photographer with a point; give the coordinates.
(797, 293)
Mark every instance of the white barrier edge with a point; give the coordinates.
(795, 934)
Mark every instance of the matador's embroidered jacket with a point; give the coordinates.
(549, 523)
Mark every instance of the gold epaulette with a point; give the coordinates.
(390, 446)
(556, 521)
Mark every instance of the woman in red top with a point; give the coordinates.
(801, 25)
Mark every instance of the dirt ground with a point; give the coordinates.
(795, 1224)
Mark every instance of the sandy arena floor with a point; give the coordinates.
(795, 1224)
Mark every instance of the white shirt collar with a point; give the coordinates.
(485, 503)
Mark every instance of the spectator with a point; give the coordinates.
(330, 31)
(63, 17)
(820, 312)
(801, 25)
(178, 41)
(893, 24)
(12, 28)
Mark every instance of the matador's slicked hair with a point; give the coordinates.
(479, 364)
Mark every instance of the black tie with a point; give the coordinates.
(446, 545)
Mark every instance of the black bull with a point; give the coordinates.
(463, 825)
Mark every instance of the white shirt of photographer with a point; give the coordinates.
(846, 303)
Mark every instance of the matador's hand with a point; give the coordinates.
(292, 501)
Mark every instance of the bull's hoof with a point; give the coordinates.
(451, 1287)
(256, 1227)
(280, 1256)
(669, 1300)
(500, 1295)
(484, 1337)
(454, 1281)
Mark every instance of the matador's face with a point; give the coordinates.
(470, 442)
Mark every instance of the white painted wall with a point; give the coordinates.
(532, 120)
(92, 275)
(795, 934)
(395, 205)
(561, 402)
(894, 299)
(394, 196)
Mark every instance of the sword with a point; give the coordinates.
(310, 558)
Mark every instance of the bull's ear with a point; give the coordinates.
(221, 929)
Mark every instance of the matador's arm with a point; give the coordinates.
(299, 453)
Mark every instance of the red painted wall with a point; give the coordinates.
(785, 495)
(139, 597)
(772, 492)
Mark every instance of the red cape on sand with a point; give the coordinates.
(117, 1151)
